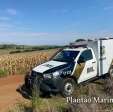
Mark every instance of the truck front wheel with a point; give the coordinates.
(67, 87)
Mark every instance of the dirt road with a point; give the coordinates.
(8, 94)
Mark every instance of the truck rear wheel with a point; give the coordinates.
(67, 87)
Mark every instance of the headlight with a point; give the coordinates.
(52, 75)
(56, 74)
(49, 76)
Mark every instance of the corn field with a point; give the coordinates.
(23, 62)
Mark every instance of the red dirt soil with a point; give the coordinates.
(8, 94)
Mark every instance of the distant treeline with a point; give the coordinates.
(25, 48)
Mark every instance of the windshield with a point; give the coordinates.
(66, 55)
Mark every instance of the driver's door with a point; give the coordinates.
(90, 66)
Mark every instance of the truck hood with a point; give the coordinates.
(48, 66)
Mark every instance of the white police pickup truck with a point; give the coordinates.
(80, 62)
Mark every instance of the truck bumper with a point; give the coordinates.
(45, 86)
(49, 86)
(25, 92)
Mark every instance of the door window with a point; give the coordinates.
(85, 56)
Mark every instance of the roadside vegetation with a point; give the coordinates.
(102, 88)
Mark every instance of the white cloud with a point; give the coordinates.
(3, 18)
(54, 35)
(43, 38)
(23, 34)
(11, 11)
(5, 26)
(108, 8)
(60, 11)
(37, 38)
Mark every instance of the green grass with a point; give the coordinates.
(59, 104)
(3, 72)
(21, 107)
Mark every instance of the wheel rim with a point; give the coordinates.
(68, 88)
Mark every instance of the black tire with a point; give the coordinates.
(67, 87)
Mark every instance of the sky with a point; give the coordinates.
(54, 22)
